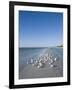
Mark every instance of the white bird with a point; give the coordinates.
(33, 64)
(52, 65)
(27, 62)
(51, 61)
(40, 60)
(55, 59)
(40, 65)
(31, 60)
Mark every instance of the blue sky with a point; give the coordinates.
(40, 29)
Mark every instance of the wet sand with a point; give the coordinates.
(46, 71)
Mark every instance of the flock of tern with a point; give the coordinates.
(41, 61)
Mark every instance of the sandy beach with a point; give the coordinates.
(30, 71)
